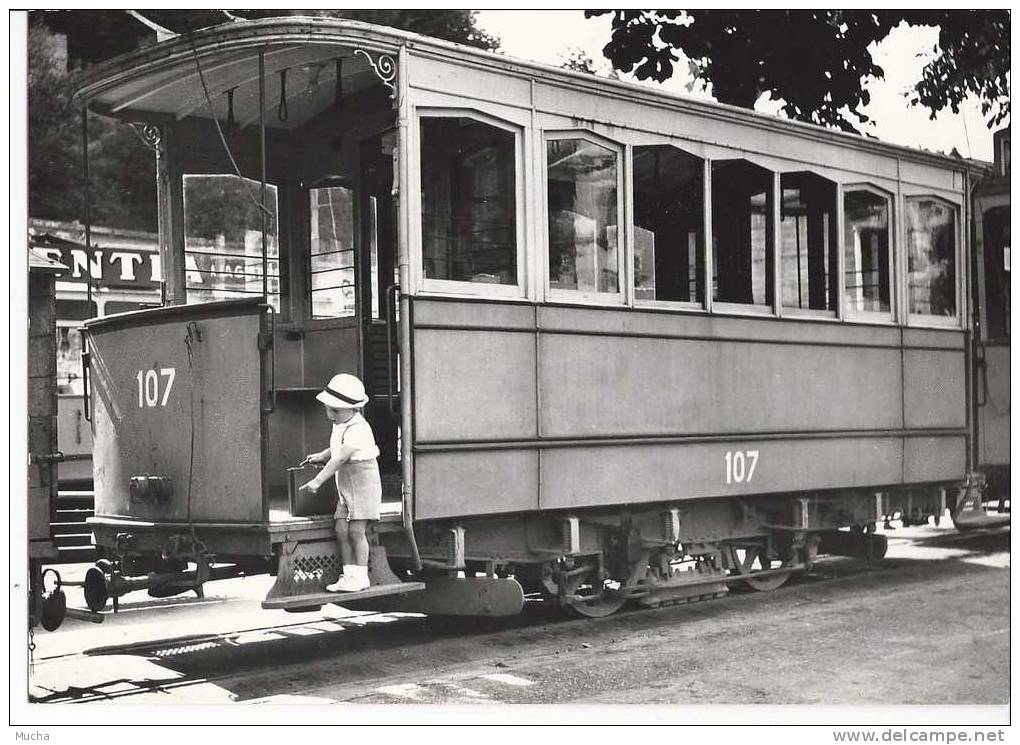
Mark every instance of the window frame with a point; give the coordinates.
(328, 182)
(459, 287)
(926, 319)
(625, 280)
(981, 212)
(790, 311)
(705, 285)
(724, 307)
(869, 316)
(284, 280)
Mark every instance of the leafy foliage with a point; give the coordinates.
(122, 172)
(577, 60)
(816, 62)
(972, 57)
(95, 35)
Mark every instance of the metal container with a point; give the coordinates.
(304, 503)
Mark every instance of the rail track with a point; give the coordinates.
(305, 654)
(275, 649)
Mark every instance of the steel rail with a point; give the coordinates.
(151, 647)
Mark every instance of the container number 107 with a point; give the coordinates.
(740, 465)
(154, 388)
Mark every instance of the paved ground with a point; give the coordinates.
(928, 625)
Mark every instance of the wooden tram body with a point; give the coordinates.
(552, 417)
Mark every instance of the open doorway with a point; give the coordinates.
(378, 307)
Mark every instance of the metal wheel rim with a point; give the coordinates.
(608, 604)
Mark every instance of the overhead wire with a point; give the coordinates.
(188, 34)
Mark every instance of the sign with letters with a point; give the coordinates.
(110, 267)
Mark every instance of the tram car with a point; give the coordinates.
(620, 346)
(989, 507)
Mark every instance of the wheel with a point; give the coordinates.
(537, 579)
(578, 586)
(96, 593)
(749, 560)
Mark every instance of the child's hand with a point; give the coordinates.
(310, 487)
(316, 459)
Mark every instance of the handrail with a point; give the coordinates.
(391, 300)
(86, 360)
(982, 364)
(270, 344)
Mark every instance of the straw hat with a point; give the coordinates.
(343, 392)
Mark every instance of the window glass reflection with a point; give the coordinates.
(469, 201)
(583, 216)
(331, 252)
(223, 239)
(866, 248)
(807, 231)
(931, 257)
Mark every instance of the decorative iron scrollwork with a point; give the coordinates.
(150, 135)
(383, 66)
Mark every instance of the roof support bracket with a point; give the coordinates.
(383, 66)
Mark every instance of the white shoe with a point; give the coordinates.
(354, 578)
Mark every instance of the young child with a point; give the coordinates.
(351, 458)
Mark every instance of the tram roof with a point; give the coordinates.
(161, 83)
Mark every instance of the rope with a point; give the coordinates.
(193, 335)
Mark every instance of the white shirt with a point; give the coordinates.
(355, 433)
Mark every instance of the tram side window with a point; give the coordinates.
(469, 201)
(742, 234)
(931, 257)
(866, 245)
(584, 210)
(70, 314)
(808, 242)
(223, 239)
(996, 253)
(331, 252)
(669, 234)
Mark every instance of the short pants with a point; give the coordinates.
(360, 491)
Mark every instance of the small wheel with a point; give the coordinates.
(54, 608)
(746, 562)
(96, 593)
(586, 584)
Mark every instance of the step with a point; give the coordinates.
(323, 598)
(74, 528)
(981, 520)
(75, 502)
(73, 539)
(72, 515)
(75, 554)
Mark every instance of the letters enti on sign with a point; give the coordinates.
(109, 267)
